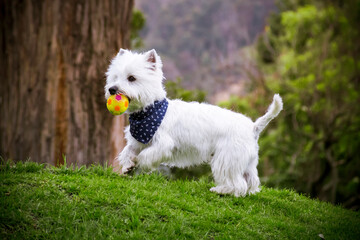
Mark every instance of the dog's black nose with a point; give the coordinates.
(113, 90)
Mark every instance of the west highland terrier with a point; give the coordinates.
(183, 134)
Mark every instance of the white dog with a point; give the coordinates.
(184, 134)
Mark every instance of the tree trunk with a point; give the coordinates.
(53, 58)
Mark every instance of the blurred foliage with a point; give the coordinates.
(309, 53)
(200, 39)
(175, 90)
(137, 23)
(195, 20)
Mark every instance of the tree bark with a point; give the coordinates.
(53, 58)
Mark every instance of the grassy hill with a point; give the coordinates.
(94, 203)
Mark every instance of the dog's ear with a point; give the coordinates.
(122, 51)
(150, 57)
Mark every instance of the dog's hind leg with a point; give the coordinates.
(228, 171)
(252, 178)
(240, 185)
(237, 186)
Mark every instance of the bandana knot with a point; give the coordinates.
(143, 124)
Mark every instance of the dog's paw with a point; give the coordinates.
(127, 168)
(222, 190)
(225, 190)
(254, 190)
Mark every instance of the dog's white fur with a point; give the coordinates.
(191, 133)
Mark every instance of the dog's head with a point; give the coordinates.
(138, 76)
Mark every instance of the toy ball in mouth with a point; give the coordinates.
(117, 104)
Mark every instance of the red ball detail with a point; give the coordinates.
(117, 108)
(118, 97)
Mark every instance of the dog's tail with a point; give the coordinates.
(273, 110)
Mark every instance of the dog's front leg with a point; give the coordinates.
(127, 158)
(152, 156)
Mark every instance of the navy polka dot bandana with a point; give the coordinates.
(144, 124)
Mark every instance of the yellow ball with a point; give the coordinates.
(117, 104)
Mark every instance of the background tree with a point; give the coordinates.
(53, 58)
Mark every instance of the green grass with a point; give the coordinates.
(95, 203)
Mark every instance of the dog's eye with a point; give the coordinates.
(131, 78)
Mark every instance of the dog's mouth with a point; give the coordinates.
(123, 93)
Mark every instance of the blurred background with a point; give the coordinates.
(235, 54)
